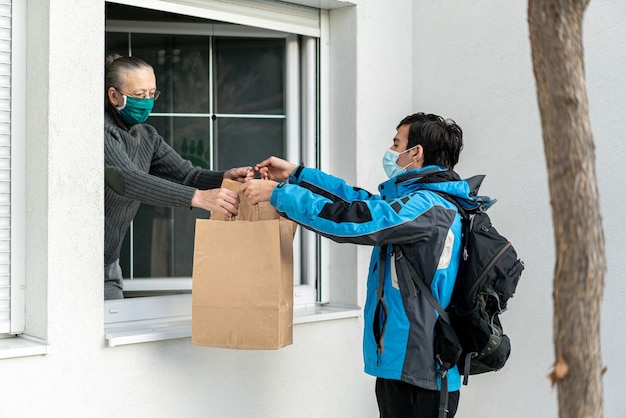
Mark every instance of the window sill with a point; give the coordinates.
(327, 312)
(22, 346)
(180, 327)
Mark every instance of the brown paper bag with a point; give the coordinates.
(242, 291)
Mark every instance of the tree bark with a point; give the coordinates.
(557, 52)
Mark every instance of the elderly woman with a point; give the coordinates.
(140, 167)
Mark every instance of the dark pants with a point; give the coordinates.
(398, 399)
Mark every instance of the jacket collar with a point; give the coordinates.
(438, 179)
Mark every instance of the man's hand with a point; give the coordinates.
(241, 174)
(217, 200)
(258, 191)
(275, 168)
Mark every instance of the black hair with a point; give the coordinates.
(419, 117)
(441, 140)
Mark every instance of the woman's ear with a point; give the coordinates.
(112, 94)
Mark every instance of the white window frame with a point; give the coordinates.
(153, 318)
(300, 17)
(13, 341)
(11, 61)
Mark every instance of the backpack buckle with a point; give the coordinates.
(443, 371)
(397, 252)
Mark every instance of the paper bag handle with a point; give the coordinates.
(254, 215)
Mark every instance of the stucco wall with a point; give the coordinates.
(319, 375)
(388, 59)
(472, 62)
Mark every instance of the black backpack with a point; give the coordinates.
(469, 332)
(487, 279)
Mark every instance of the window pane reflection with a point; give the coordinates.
(249, 76)
(181, 65)
(242, 142)
(189, 136)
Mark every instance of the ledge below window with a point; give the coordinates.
(22, 346)
(180, 327)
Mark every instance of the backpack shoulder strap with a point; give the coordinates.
(409, 271)
(464, 212)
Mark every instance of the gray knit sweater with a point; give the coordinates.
(140, 167)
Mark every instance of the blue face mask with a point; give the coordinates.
(136, 110)
(390, 160)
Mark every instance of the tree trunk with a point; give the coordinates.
(557, 52)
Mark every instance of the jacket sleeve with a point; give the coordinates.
(168, 164)
(323, 183)
(156, 176)
(348, 215)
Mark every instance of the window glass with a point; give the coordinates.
(242, 141)
(117, 43)
(249, 76)
(181, 65)
(189, 136)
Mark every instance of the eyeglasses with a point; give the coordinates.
(152, 95)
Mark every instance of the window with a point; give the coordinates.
(232, 94)
(223, 105)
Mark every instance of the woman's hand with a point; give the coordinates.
(217, 200)
(240, 174)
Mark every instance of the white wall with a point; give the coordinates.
(319, 375)
(388, 59)
(472, 63)
(605, 43)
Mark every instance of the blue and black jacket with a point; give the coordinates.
(399, 322)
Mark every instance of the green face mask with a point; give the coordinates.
(136, 110)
